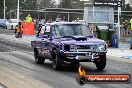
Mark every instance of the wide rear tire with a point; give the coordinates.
(38, 59)
(101, 62)
(56, 62)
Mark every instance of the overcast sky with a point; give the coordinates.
(128, 1)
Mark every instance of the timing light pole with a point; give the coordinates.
(119, 31)
(18, 11)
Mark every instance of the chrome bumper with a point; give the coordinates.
(82, 55)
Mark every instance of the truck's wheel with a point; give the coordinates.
(75, 65)
(38, 59)
(56, 62)
(101, 62)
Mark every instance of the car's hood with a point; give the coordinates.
(80, 40)
(13, 23)
(2, 22)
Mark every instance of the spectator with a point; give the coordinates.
(39, 23)
(131, 34)
(63, 18)
(123, 30)
(58, 19)
(35, 23)
(49, 21)
(43, 21)
(18, 30)
(29, 18)
(126, 28)
(77, 20)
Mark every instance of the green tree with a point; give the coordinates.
(65, 4)
(1, 8)
(24, 5)
(73, 4)
(45, 4)
(77, 4)
(9, 4)
(28, 4)
(128, 7)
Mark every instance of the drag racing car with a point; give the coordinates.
(3, 23)
(69, 42)
(11, 23)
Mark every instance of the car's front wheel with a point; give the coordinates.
(56, 62)
(5, 27)
(101, 62)
(11, 27)
(38, 59)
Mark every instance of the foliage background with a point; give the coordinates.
(41, 4)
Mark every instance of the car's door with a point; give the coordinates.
(45, 43)
(8, 24)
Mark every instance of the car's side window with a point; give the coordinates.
(45, 30)
(59, 30)
(77, 30)
(56, 31)
(53, 31)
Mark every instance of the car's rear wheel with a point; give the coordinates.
(56, 62)
(101, 62)
(38, 59)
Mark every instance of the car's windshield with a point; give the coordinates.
(71, 30)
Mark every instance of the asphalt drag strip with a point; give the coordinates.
(2, 86)
(19, 70)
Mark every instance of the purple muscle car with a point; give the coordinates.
(69, 42)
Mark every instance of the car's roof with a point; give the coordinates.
(60, 23)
